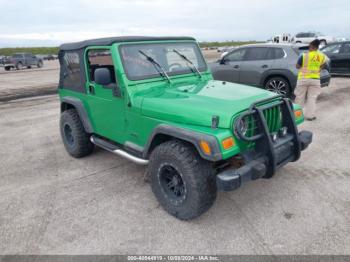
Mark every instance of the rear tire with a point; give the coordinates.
(75, 139)
(278, 85)
(323, 43)
(182, 181)
(7, 68)
(40, 64)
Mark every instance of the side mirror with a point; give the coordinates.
(102, 76)
(222, 61)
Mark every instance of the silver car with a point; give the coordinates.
(270, 66)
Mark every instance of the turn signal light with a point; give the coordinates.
(228, 143)
(205, 147)
(298, 113)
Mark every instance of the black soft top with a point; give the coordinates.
(111, 40)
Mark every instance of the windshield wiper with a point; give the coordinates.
(157, 66)
(188, 61)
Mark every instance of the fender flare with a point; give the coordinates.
(79, 106)
(186, 135)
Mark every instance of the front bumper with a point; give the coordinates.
(257, 167)
(269, 153)
(7, 65)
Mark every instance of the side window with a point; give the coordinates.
(279, 53)
(98, 58)
(71, 67)
(332, 49)
(256, 53)
(275, 53)
(236, 55)
(270, 54)
(346, 48)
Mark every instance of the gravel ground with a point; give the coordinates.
(51, 203)
(29, 82)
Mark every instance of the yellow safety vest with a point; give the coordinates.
(311, 66)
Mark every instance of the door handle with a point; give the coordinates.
(236, 66)
(91, 89)
(264, 66)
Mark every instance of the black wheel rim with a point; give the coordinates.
(171, 182)
(277, 86)
(68, 135)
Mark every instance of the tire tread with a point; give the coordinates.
(83, 146)
(199, 173)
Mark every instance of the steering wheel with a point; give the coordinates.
(173, 66)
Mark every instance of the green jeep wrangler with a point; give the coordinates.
(153, 101)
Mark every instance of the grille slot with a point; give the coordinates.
(273, 118)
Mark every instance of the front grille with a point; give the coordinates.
(249, 122)
(273, 118)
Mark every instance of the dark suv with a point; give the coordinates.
(339, 54)
(270, 66)
(21, 60)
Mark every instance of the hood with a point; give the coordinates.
(195, 104)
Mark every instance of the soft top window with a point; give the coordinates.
(72, 70)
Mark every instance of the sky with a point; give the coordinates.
(50, 23)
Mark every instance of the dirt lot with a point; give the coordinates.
(51, 203)
(26, 82)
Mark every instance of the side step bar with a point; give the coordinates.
(117, 150)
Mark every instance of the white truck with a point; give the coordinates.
(282, 38)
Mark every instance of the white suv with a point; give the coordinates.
(306, 38)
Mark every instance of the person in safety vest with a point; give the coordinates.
(308, 87)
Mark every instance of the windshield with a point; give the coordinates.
(137, 67)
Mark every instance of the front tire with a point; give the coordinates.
(278, 85)
(75, 139)
(40, 64)
(181, 180)
(7, 68)
(19, 66)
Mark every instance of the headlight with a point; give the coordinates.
(242, 125)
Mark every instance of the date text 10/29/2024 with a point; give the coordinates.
(173, 258)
